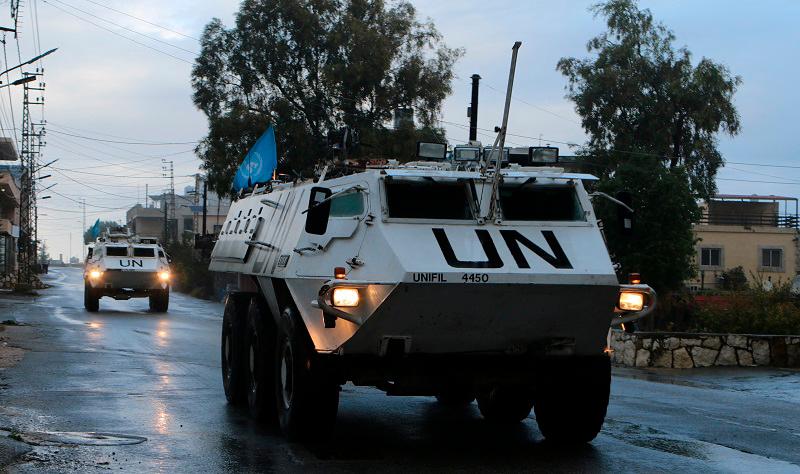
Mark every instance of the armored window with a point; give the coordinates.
(710, 257)
(772, 259)
(117, 251)
(530, 202)
(347, 205)
(89, 254)
(428, 199)
(144, 252)
(161, 253)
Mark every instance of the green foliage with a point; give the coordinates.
(734, 279)
(104, 225)
(309, 68)
(755, 311)
(641, 94)
(652, 117)
(189, 274)
(661, 247)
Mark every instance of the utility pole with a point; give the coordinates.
(83, 240)
(205, 204)
(30, 148)
(473, 109)
(168, 167)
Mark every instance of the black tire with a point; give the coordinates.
(307, 399)
(232, 349)
(571, 399)
(91, 300)
(259, 362)
(159, 300)
(505, 404)
(455, 395)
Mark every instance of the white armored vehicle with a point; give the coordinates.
(423, 279)
(122, 267)
(422, 282)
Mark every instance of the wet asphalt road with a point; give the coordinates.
(154, 380)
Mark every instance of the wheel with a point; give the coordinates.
(307, 398)
(159, 300)
(232, 348)
(505, 404)
(455, 395)
(260, 366)
(91, 300)
(571, 399)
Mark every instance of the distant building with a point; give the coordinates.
(757, 233)
(9, 223)
(185, 218)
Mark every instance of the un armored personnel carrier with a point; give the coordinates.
(423, 282)
(122, 267)
(458, 278)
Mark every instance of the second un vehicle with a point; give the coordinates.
(493, 284)
(122, 267)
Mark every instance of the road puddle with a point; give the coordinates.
(76, 438)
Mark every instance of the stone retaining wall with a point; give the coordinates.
(685, 350)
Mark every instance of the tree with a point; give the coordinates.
(640, 96)
(652, 117)
(309, 67)
(661, 248)
(104, 225)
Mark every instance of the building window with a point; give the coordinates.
(772, 259)
(711, 257)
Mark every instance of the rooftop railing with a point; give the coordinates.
(751, 220)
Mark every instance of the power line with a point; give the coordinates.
(124, 142)
(118, 34)
(143, 20)
(125, 28)
(90, 132)
(532, 105)
(794, 183)
(761, 164)
(85, 204)
(116, 175)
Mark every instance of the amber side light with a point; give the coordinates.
(634, 278)
(339, 273)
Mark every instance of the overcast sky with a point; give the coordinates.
(101, 85)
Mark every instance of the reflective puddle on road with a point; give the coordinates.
(75, 438)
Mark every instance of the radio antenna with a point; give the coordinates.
(501, 137)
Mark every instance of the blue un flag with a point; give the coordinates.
(258, 165)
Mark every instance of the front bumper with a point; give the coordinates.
(113, 280)
(480, 319)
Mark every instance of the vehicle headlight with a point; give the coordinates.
(630, 301)
(95, 274)
(163, 275)
(345, 297)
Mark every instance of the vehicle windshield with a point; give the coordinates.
(425, 198)
(117, 251)
(144, 252)
(531, 202)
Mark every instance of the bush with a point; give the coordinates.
(753, 311)
(734, 279)
(190, 273)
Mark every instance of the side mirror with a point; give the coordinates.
(625, 216)
(319, 209)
